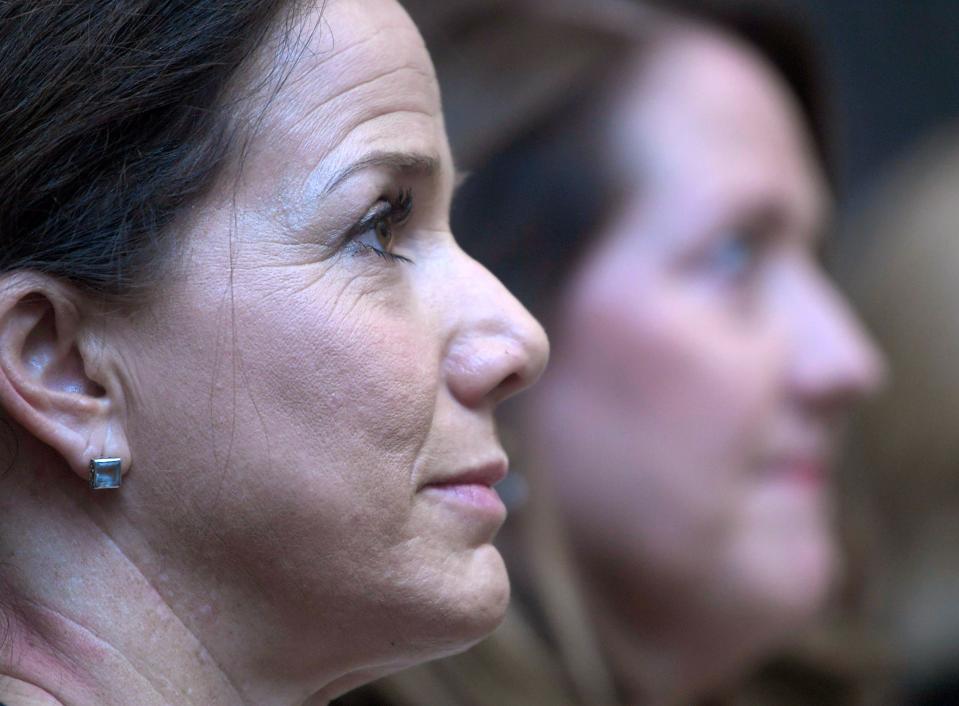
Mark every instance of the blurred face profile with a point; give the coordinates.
(311, 396)
(703, 361)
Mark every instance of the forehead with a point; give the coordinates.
(354, 77)
(712, 114)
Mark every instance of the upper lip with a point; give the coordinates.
(488, 474)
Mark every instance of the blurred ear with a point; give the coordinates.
(54, 382)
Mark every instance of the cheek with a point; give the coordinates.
(350, 394)
(366, 381)
(301, 422)
(672, 403)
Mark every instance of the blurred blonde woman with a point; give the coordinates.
(653, 187)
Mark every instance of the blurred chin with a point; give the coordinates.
(810, 577)
(791, 583)
(793, 554)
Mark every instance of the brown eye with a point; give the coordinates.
(384, 233)
(376, 233)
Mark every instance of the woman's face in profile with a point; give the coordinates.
(704, 360)
(310, 396)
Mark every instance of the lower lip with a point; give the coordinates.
(475, 497)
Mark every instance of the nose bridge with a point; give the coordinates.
(496, 348)
(835, 356)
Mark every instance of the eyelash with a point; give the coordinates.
(393, 212)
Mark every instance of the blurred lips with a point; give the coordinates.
(809, 471)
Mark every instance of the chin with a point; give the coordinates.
(463, 608)
(788, 559)
(810, 589)
(795, 589)
(479, 605)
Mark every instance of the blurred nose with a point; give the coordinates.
(496, 347)
(836, 361)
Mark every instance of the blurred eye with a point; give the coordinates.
(734, 259)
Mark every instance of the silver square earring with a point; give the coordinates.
(105, 473)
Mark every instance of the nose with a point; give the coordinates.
(496, 348)
(836, 361)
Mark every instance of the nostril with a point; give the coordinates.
(480, 370)
(509, 385)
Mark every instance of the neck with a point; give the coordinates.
(82, 622)
(661, 655)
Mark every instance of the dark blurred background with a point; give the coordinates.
(895, 65)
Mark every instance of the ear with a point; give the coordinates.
(54, 380)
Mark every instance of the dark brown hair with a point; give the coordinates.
(111, 121)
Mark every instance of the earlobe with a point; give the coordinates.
(46, 384)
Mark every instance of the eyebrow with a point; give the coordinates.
(407, 162)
